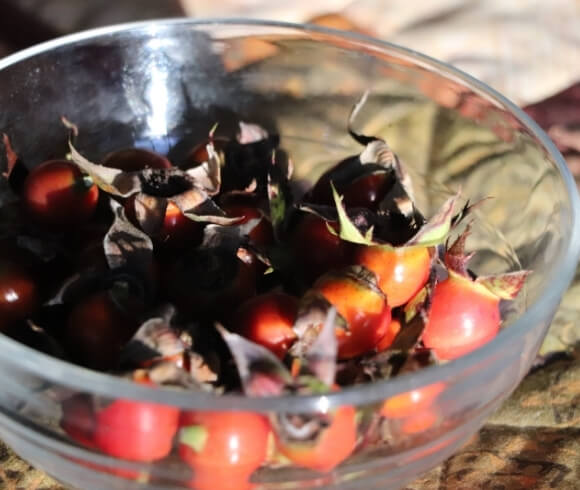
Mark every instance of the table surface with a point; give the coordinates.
(532, 442)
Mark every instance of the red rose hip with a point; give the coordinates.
(464, 315)
(58, 193)
(267, 319)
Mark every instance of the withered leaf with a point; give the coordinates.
(167, 373)
(505, 286)
(250, 133)
(207, 176)
(15, 172)
(110, 180)
(228, 237)
(188, 190)
(313, 312)
(379, 153)
(11, 156)
(279, 193)
(197, 206)
(201, 370)
(455, 257)
(150, 212)
(126, 247)
(467, 210)
(303, 429)
(260, 371)
(155, 339)
(36, 336)
(410, 334)
(78, 286)
(436, 229)
(321, 355)
(383, 365)
(363, 277)
(248, 158)
(354, 112)
(417, 360)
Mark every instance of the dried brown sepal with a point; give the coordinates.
(197, 206)
(167, 373)
(321, 355)
(354, 112)
(245, 255)
(250, 133)
(383, 365)
(466, 211)
(78, 286)
(150, 212)
(432, 232)
(414, 315)
(247, 158)
(189, 190)
(360, 275)
(207, 176)
(279, 194)
(362, 219)
(11, 156)
(15, 172)
(201, 370)
(437, 228)
(260, 371)
(33, 335)
(110, 180)
(410, 334)
(126, 247)
(72, 127)
(505, 286)
(378, 152)
(418, 360)
(313, 311)
(394, 362)
(155, 339)
(455, 257)
(303, 429)
(380, 366)
(230, 238)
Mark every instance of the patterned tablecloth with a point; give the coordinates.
(533, 441)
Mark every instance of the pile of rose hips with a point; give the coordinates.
(219, 273)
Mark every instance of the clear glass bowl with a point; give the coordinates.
(163, 84)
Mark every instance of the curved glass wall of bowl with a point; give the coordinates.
(164, 85)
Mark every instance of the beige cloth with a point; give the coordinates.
(526, 49)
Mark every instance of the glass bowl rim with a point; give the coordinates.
(85, 380)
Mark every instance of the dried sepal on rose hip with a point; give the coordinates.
(211, 280)
(371, 232)
(319, 441)
(375, 179)
(364, 311)
(157, 189)
(247, 157)
(465, 311)
(128, 249)
(167, 354)
(15, 172)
